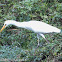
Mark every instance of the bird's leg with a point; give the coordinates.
(44, 37)
(38, 39)
(47, 40)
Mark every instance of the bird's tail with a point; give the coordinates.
(61, 30)
(57, 30)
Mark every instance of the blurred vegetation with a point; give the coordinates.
(21, 44)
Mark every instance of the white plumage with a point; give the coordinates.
(41, 27)
(38, 27)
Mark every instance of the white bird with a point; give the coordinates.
(38, 27)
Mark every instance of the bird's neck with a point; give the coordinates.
(20, 24)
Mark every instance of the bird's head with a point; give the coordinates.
(6, 23)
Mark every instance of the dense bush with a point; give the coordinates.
(21, 44)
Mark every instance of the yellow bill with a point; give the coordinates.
(2, 28)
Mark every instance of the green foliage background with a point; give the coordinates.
(21, 44)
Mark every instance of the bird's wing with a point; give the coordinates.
(41, 27)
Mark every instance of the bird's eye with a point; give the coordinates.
(5, 24)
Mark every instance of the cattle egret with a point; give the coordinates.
(38, 27)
